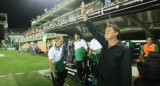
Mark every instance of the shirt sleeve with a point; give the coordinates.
(126, 68)
(156, 48)
(91, 47)
(85, 44)
(74, 46)
(94, 31)
(132, 46)
(142, 50)
(51, 53)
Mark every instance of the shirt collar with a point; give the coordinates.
(56, 48)
(118, 43)
(149, 46)
(78, 40)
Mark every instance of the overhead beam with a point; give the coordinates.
(54, 15)
(140, 24)
(67, 9)
(46, 20)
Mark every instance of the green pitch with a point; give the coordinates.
(21, 70)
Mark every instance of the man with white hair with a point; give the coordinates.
(2, 33)
(56, 59)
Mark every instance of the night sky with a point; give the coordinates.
(20, 12)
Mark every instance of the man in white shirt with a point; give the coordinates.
(56, 59)
(81, 49)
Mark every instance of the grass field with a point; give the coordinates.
(15, 63)
(21, 70)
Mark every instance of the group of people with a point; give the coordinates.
(110, 59)
(33, 47)
(144, 52)
(56, 55)
(59, 4)
(112, 2)
(31, 34)
(111, 56)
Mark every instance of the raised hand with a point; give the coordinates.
(83, 12)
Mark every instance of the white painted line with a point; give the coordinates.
(33, 71)
(40, 71)
(18, 73)
(43, 71)
(1, 55)
(3, 76)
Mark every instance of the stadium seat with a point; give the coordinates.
(70, 61)
(150, 71)
(145, 82)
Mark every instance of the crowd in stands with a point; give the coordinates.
(16, 33)
(30, 34)
(59, 5)
(35, 33)
(71, 16)
(38, 33)
(108, 3)
(62, 19)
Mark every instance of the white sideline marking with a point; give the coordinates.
(134, 72)
(3, 76)
(47, 70)
(18, 73)
(43, 71)
(1, 55)
(33, 71)
(40, 71)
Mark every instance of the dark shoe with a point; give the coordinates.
(78, 80)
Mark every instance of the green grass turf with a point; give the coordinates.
(27, 79)
(69, 80)
(13, 63)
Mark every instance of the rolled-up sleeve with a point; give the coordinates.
(126, 68)
(85, 44)
(51, 53)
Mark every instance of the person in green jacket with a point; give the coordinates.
(131, 47)
(94, 56)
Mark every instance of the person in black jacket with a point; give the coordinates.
(2, 33)
(114, 68)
